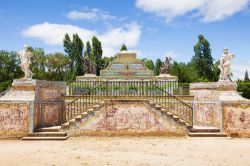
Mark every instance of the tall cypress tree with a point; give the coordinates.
(203, 60)
(97, 54)
(123, 48)
(158, 67)
(69, 50)
(74, 49)
(78, 52)
(88, 50)
(246, 79)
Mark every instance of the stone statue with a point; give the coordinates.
(25, 58)
(165, 68)
(225, 66)
(89, 67)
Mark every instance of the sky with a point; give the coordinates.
(152, 28)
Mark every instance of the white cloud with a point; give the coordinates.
(208, 10)
(90, 14)
(53, 34)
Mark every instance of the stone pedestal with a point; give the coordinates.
(164, 77)
(218, 104)
(30, 104)
(88, 77)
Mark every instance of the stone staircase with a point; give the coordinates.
(197, 131)
(47, 133)
(169, 114)
(91, 111)
(83, 115)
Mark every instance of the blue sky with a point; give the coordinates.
(154, 28)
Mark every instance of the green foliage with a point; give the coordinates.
(123, 48)
(88, 51)
(202, 59)
(74, 49)
(158, 67)
(68, 48)
(184, 72)
(97, 54)
(216, 71)
(246, 79)
(57, 65)
(132, 87)
(78, 52)
(148, 63)
(244, 87)
(9, 69)
(38, 63)
(106, 61)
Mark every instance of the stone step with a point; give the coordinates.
(84, 114)
(65, 125)
(206, 134)
(163, 111)
(72, 122)
(102, 103)
(49, 129)
(90, 111)
(44, 138)
(188, 125)
(152, 103)
(78, 118)
(96, 107)
(170, 114)
(182, 121)
(176, 118)
(158, 107)
(48, 134)
(205, 130)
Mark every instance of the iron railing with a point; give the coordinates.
(173, 104)
(81, 87)
(84, 102)
(153, 90)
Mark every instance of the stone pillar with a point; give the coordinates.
(211, 101)
(30, 104)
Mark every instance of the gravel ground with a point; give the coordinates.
(121, 151)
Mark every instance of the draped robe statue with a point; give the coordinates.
(225, 66)
(25, 59)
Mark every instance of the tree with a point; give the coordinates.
(106, 61)
(87, 53)
(158, 67)
(78, 54)
(68, 48)
(123, 48)
(38, 63)
(202, 59)
(9, 69)
(148, 63)
(74, 49)
(97, 54)
(57, 66)
(184, 72)
(216, 71)
(246, 79)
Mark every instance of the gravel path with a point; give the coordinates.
(121, 151)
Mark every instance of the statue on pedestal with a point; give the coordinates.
(165, 68)
(89, 67)
(225, 66)
(25, 58)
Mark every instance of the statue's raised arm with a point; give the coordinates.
(25, 59)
